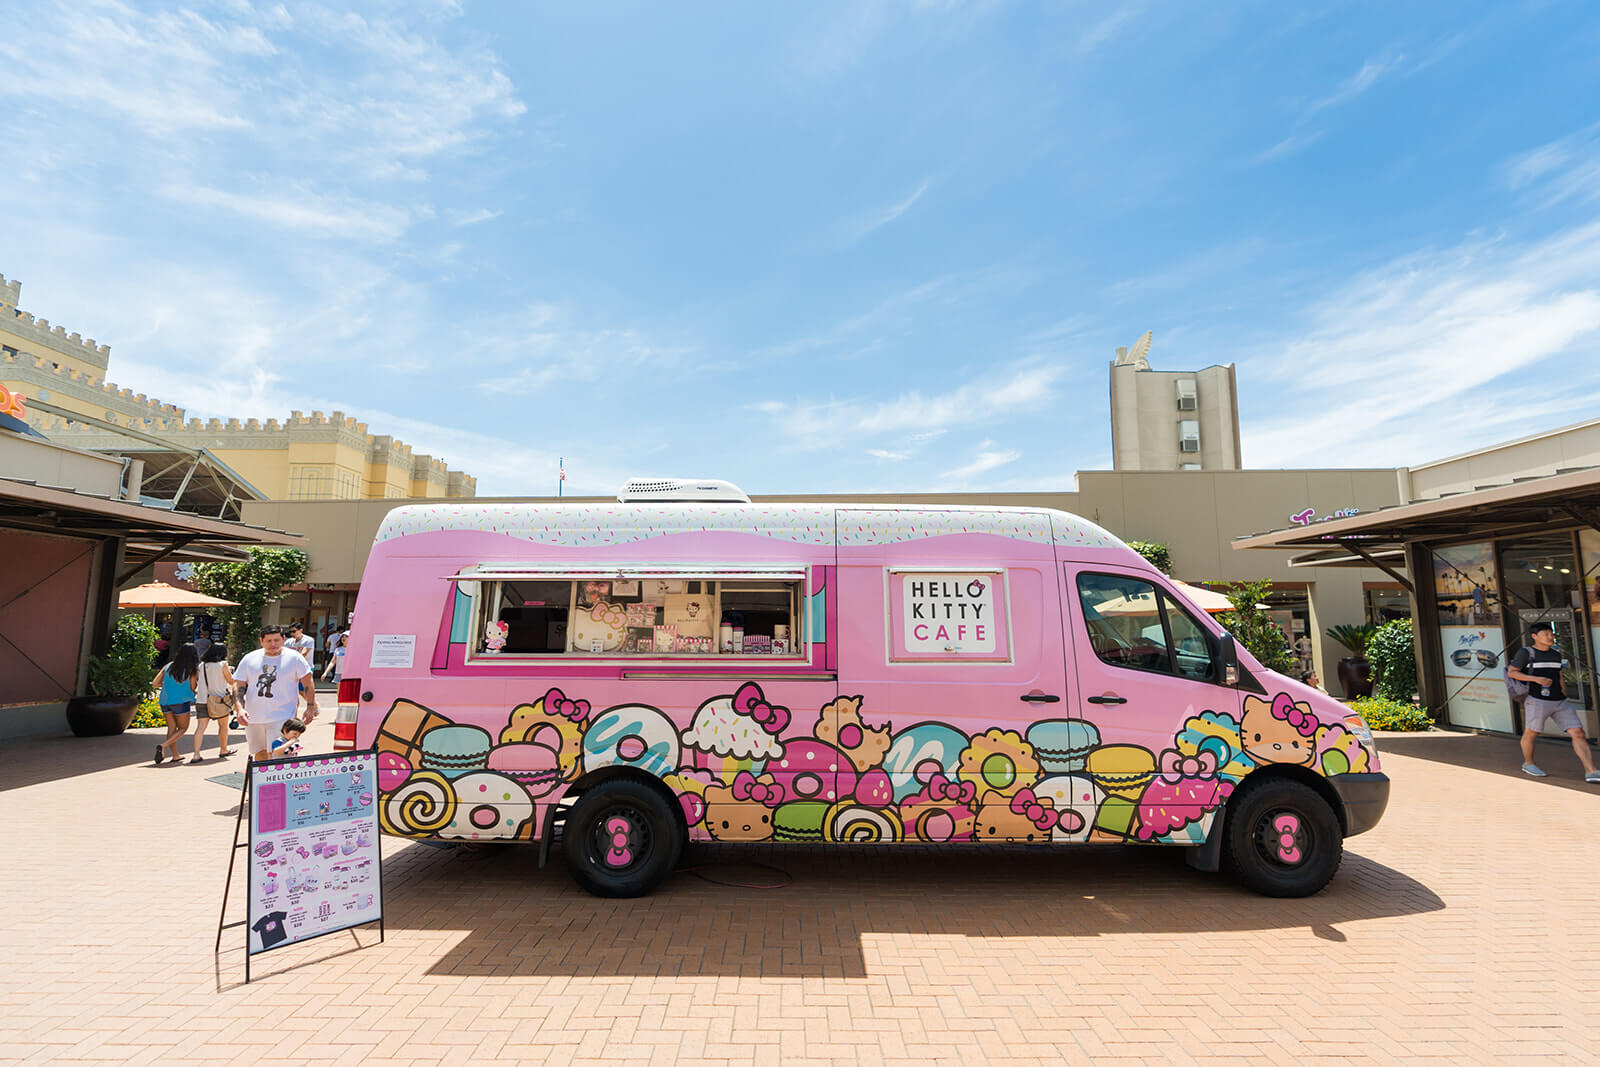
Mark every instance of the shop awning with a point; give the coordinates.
(1566, 498)
(150, 533)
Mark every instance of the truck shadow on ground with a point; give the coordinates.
(523, 920)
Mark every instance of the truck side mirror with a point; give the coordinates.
(1230, 660)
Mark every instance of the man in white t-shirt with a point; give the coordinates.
(302, 643)
(271, 680)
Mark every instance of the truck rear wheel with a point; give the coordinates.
(1283, 839)
(621, 839)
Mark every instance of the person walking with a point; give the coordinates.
(177, 681)
(1540, 667)
(336, 660)
(271, 679)
(215, 700)
(302, 643)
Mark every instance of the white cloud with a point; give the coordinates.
(862, 228)
(1566, 169)
(834, 423)
(472, 218)
(891, 456)
(987, 459)
(318, 215)
(1371, 72)
(1290, 145)
(1105, 29)
(1436, 353)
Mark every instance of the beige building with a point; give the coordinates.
(1172, 420)
(305, 457)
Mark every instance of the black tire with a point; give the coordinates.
(621, 839)
(1283, 840)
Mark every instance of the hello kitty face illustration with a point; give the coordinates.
(693, 609)
(742, 811)
(1280, 731)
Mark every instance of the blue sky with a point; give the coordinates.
(830, 247)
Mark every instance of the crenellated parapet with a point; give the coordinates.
(25, 326)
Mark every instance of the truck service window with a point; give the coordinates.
(706, 615)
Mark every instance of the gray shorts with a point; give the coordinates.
(1558, 713)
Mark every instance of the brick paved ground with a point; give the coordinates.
(1460, 928)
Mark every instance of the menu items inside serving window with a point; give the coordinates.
(653, 617)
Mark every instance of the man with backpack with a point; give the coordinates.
(1539, 668)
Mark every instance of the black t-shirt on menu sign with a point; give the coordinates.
(270, 927)
(1546, 665)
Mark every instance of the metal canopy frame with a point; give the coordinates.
(191, 480)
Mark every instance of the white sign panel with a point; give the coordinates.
(314, 860)
(948, 613)
(393, 650)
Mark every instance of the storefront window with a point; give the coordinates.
(1543, 583)
(1470, 637)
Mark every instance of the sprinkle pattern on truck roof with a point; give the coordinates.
(588, 525)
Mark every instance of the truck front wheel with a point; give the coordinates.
(1283, 839)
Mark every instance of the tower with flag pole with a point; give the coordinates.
(561, 482)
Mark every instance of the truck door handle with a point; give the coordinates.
(1041, 698)
(1109, 698)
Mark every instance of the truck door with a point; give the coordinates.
(1152, 694)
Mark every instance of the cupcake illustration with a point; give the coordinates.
(735, 733)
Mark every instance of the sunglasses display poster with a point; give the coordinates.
(1471, 637)
(314, 855)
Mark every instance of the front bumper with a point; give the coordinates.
(1365, 798)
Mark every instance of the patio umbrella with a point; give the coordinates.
(162, 595)
(1204, 599)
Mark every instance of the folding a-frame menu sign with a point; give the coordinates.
(314, 865)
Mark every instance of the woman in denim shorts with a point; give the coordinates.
(177, 681)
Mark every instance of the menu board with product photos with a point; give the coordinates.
(314, 856)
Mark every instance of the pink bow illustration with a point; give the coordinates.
(1041, 811)
(747, 786)
(748, 700)
(556, 703)
(609, 614)
(1284, 707)
(942, 788)
(1175, 766)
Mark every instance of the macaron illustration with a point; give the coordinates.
(1122, 770)
(455, 750)
(1062, 745)
(799, 821)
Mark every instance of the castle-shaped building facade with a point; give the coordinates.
(61, 379)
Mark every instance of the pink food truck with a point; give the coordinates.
(686, 665)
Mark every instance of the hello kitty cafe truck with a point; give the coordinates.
(658, 670)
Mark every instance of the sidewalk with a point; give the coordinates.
(1455, 930)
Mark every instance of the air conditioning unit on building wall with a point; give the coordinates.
(1189, 444)
(1186, 394)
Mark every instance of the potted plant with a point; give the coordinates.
(118, 681)
(1355, 673)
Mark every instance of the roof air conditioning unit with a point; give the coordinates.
(681, 491)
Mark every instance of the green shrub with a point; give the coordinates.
(1394, 661)
(125, 669)
(1155, 553)
(1251, 627)
(1382, 713)
(148, 715)
(1353, 638)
